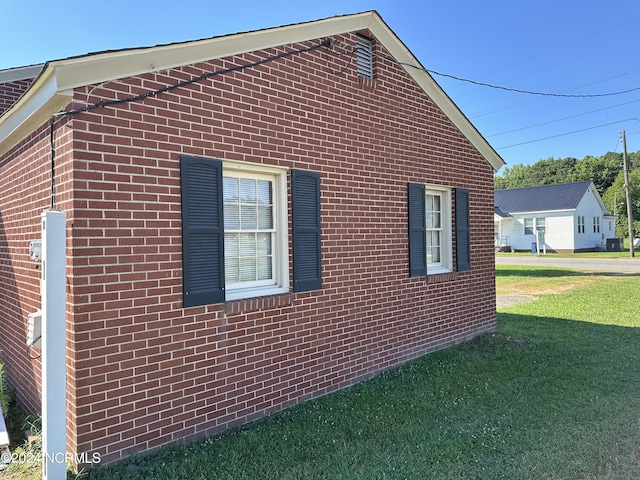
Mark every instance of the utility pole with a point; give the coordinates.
(627, 188)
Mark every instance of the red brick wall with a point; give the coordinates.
(20, 207)
(149, 372)
(25, 176)
(11, 91)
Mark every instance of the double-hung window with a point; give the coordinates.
(253, 246)
(528, 226)
(580, 223)
(438, 212)
(596, 224)
(433, 220)
(235, 238)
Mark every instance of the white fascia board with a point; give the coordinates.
(34, 108)
(20, 73)
(53, 89)
(542, 212)
(108, 66)
(102, 67)
(598, 197)
(402, 54)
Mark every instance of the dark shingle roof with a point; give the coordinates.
(563, 196)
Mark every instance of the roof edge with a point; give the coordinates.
(20, 73)
(530, 212)
(598, 197)
(53, 88)
(35, 107)
(102, 67)
(419, 73)
(546, 185)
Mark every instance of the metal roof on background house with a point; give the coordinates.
(562, 196)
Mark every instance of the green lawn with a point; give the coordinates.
(554, 394)
(624, 253)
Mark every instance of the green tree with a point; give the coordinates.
(551, 171)
(634, 160)
(602, 171)
(514, 177)
(616, 193)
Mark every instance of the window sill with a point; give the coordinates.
(258, 303)
(442, 277)
(437, 270)
(263, 291)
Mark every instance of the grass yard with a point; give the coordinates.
(554, 394)
(624, 253)
(520, 280)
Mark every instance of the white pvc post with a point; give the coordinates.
(54, 381)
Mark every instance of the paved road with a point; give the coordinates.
(613, 265)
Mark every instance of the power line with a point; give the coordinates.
(575, 41)
(204, 76)
(561, 119)
(515, 90)
(154, 93)
(513, 105)
(571, 60)
(527, 92)
(563, 134)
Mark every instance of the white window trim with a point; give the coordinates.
(581, 224)
(280, 221)
(533, 226)
(446, 246)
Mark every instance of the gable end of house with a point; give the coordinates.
(51, 90)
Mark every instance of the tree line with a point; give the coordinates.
(605, 171)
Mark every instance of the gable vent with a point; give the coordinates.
(364, 56)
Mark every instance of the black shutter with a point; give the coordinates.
(202, 231)
(463, 230)
(305, 222)
(417, 230)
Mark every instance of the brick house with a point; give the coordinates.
(253, 220)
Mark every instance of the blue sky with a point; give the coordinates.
(573, 47)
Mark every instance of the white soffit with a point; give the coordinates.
(102, 67)
(35, 107)
(53, 89)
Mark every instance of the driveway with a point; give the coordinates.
(612, 265)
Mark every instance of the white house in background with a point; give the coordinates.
(567, 217)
